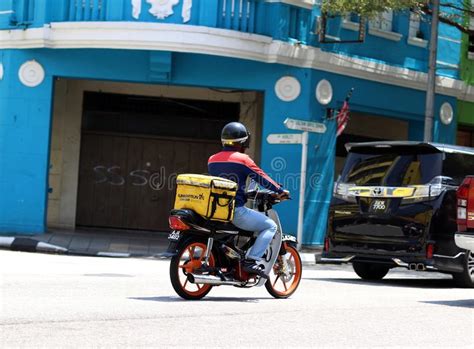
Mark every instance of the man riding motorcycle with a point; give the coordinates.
(232, 163)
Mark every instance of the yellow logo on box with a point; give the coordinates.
(188, 197)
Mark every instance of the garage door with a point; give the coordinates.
(128, 182)
(129, 160)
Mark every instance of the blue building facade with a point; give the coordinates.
(75, 77)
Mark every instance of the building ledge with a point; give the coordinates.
(333, 38)
(349, 25)
(385, 34)
(447, 65)
(417, 42)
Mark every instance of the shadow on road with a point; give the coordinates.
(462, 303)
(170, 299)
(111, 275)
(415, 283)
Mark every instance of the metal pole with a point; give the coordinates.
(304, 161)
(430, 93)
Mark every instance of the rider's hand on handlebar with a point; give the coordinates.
(285, 195)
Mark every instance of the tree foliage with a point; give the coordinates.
(452, 12)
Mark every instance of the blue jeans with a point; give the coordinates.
(247, 219)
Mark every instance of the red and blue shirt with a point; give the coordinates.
(238, 167)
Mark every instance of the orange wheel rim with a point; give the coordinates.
(284, 282)
(191, 258)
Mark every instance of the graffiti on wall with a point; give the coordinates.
(115, 176)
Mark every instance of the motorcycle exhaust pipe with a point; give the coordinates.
(412, 266)
(420, 267)
(210, 280)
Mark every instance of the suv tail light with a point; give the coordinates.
(465, 200)
(429, 251)
(177, 224)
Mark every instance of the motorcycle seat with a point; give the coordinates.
(189, 216)
(223, 226)
(196, 219)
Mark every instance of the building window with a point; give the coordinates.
(382, 26)
(414, 31)
(351, 22)
(471, 46)
(415, 35)
(470, 50)
(384, 21)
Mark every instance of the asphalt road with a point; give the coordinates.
(64, 301)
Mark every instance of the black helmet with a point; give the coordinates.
(235, 134)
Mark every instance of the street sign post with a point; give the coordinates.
(300, 138)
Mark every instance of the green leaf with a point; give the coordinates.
(368, 8)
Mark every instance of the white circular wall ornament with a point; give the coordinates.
(324, 92)
(288, 88)
(446, 113)
(31, 74)
(1, 71)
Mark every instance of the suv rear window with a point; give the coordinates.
(388, 167)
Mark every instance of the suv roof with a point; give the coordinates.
(444, 148)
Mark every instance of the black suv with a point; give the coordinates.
(394, 205)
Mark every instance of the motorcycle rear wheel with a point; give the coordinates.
(189, 258)
(283, 283)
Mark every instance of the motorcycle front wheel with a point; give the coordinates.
(188, 260)
(286, 274)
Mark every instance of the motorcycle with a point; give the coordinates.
(208, 253)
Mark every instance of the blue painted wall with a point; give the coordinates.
(25, 122)
(25, 113)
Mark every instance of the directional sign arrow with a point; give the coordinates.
(302, 125)
(284, 138)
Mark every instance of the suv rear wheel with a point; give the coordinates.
(466, 278)
(370, 271)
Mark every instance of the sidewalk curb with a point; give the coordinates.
(29, 245)
(308, 258)
(6, 242)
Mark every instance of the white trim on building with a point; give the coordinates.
(300, 3)
(350, 25)
(447, 65)
(446, 38)
(220, 42)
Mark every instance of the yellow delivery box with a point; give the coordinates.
(211, 197)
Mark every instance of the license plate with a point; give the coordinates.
(174, 236)
(378, 206)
